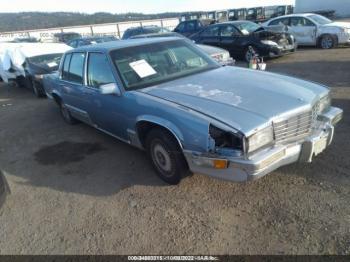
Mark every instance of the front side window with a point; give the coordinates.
(148, 65)
(282, 21)
(229, 30)
(99, 71)
(76, 68)
(320, 19)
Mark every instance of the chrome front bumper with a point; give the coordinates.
(268, 160)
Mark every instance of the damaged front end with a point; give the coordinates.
(278, 41)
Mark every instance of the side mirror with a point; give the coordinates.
(110, 89)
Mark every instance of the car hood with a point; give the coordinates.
(338, 24)
(241, 98)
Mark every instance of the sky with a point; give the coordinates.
(124, 6)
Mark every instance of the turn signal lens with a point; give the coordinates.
(220, 164)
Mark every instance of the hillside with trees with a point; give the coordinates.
(38, 20)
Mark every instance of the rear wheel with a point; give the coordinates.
(166, 156)
(328, 42)
(67, 115)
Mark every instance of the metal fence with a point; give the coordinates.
(116, 29)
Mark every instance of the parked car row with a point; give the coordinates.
(254, 14)
(164, 95)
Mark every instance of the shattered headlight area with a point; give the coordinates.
(226, 143)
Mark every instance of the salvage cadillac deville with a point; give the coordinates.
(168, 97)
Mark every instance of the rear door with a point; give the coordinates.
(210, 36)
(72, 88)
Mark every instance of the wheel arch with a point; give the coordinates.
(145, 124)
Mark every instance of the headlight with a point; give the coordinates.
(39, 77)
(269, 42)
(324, 104)
(260, 139)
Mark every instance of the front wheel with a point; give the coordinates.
(328, 42)
(166, 156)
(249, 54)
(38, 90)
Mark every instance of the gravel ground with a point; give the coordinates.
(78, 191)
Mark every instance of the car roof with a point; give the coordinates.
(234, 22)
(145, 26)
(113, 45)
(292, 15)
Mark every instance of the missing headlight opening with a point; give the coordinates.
(226, 140)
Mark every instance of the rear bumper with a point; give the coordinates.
(268, 160)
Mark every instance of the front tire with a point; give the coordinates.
(166, 156)
(328, 42)
(67, 117)
(38, 90)
(248, 54)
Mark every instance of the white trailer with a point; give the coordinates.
(341, 7)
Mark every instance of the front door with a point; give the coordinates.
(71, 85)
(230, 38)
(210, 36)
(107, 112)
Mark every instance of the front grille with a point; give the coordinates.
(295, 127)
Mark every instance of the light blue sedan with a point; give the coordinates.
(166, 96)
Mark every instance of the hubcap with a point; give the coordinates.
(248, 56)
(35, 90)
(327, 42)
(161, 158)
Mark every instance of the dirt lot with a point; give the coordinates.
(78, 191)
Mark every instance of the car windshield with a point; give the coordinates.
(320, 19)
(51, 59)
(147, 65)
(155, 30)
(247, 27)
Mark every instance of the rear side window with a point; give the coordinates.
(181, 27)
(211, 31)
(76, 68)
(99, 70)
(282, 21)
(191, 26)
(66, 66)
